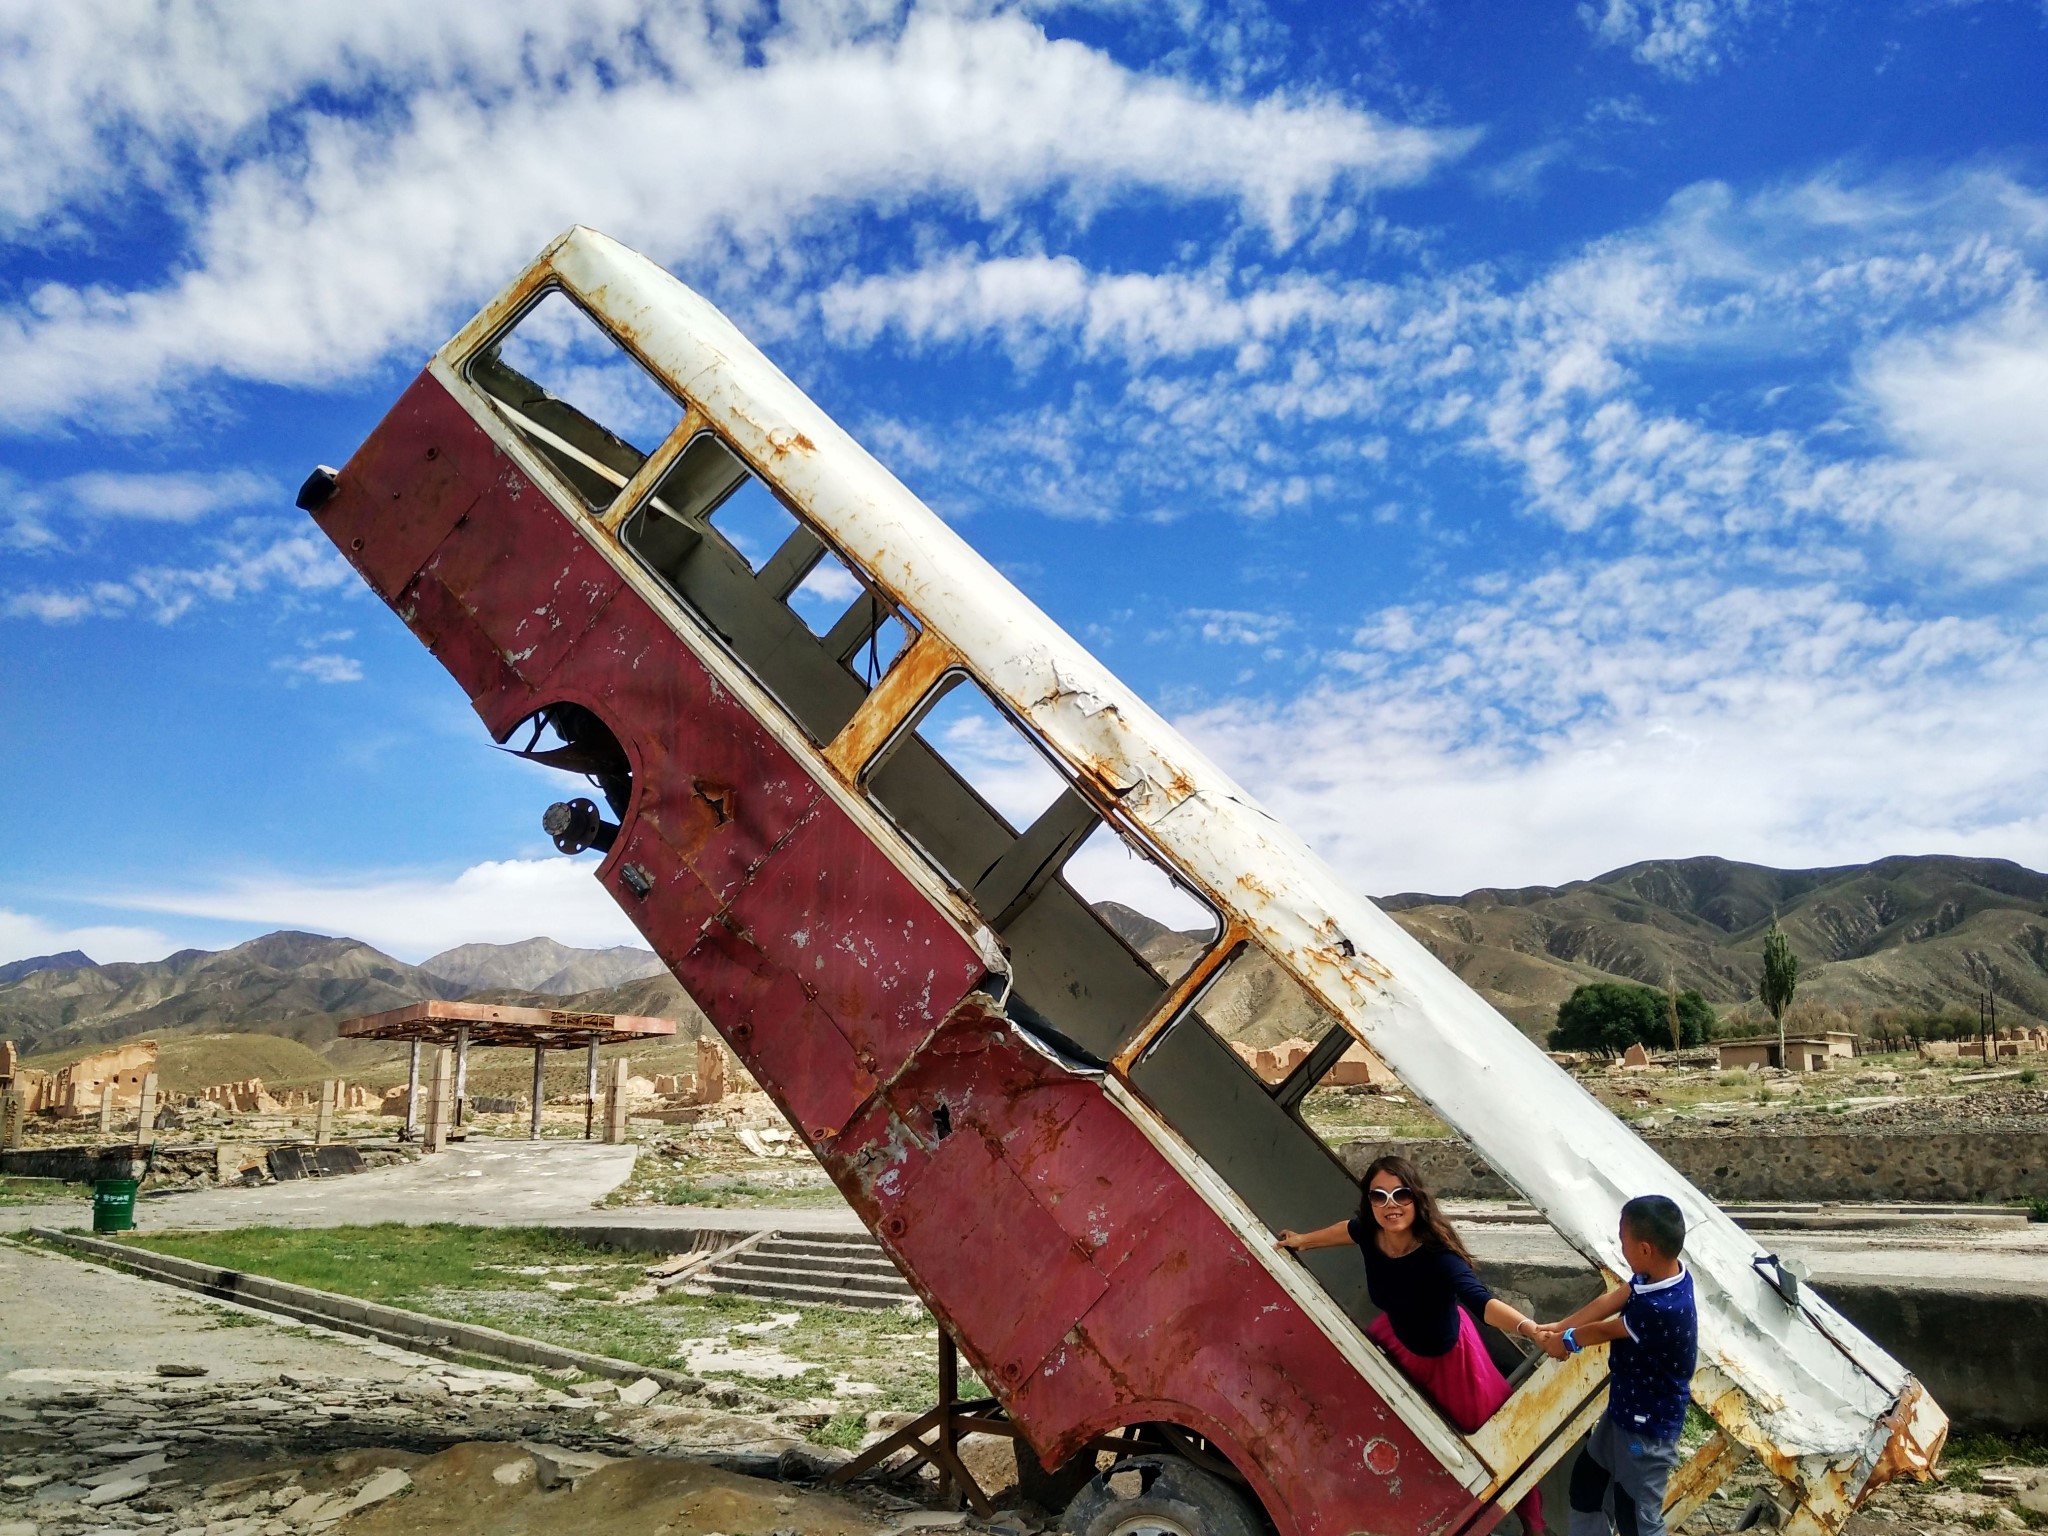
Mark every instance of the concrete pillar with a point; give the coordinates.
(540, 1081)
(461, 1071)
(440, 1102)
(590, 1090)
(13, 1116)
(145, 1116)
(323, 1121)
(107, 1107)
(710, 1071)
(412, 1097)
(615, 1104)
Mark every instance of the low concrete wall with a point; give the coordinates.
(1997, 1166)
(349, 1314)
(75, 1165)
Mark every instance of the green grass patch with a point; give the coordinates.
(1977, 1451)
(543, 1285)
(1339, 1117)
(391, 1262)
(717, 1192)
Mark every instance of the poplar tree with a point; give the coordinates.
(1780, 977)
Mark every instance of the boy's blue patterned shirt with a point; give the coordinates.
(1650, 1370)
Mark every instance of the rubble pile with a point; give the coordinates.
(98, 1453)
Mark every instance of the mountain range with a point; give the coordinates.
(1919, 934)
(542, 965)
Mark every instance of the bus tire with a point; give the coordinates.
(1161, 1496)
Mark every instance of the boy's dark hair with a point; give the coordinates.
(1656, 1220)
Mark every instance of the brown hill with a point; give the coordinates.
(542, 965)
(1917, 934)
(295, 984)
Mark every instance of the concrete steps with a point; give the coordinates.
(832, 1269)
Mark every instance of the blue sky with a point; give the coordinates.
(1515, 440)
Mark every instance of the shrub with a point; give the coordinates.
(1611, 1016)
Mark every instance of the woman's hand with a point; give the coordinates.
(1288, 1240)
(1551, 1337)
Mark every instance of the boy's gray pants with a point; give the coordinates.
(1618, 1482)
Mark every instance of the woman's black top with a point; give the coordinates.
(1421, 1291)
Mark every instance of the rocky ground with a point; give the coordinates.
(1872, 1093)
(305, 1451)
(739, 1152)
(128, 1407)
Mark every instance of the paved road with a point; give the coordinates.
(64, 1321)
(488, 1183)
(1994, 1258)
(560, 1183)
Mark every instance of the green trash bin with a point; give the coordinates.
(113, 1205)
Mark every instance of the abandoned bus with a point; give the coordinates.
(1003, 946)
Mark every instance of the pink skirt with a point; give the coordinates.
(1463, 1382)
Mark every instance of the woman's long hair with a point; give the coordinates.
(1431, 1225)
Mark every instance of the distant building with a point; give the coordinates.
(76, 1090)
(1807, 1053)
(1357, 1067)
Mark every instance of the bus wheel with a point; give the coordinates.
(1160, 1496)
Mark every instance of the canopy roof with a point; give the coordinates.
(547, 1029)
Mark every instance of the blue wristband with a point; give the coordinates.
(1571, 1340)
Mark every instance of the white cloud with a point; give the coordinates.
(1546, 729)
(1681, 38)
(1237, 626)
(320, 667)
(24, 936)
(1972, 398)
(34, 510)
(1136, 317)
(248, 560)
(1260, 385)
(412, 916)
(331, 240)
(174, 497)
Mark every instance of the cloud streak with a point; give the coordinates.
(412, 915)
(1546, 730)
(249, 560)
(1907, 310)
(342, 237)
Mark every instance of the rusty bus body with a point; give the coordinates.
(1025, 1104)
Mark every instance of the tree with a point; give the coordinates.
(1781, 976)
(1671, 1011)
(1611, 1016)
(1696, 1019)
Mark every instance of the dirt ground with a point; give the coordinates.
(1687, 1093)
(262, 1428)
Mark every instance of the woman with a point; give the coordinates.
(1420, 1277)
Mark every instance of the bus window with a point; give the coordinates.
(857, 628)
(577, 398)
(986, 804)
(1201, 1075)
(753, 522)
(1150, 911)
(722, 541)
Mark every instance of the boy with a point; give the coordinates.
(1653, 1333)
